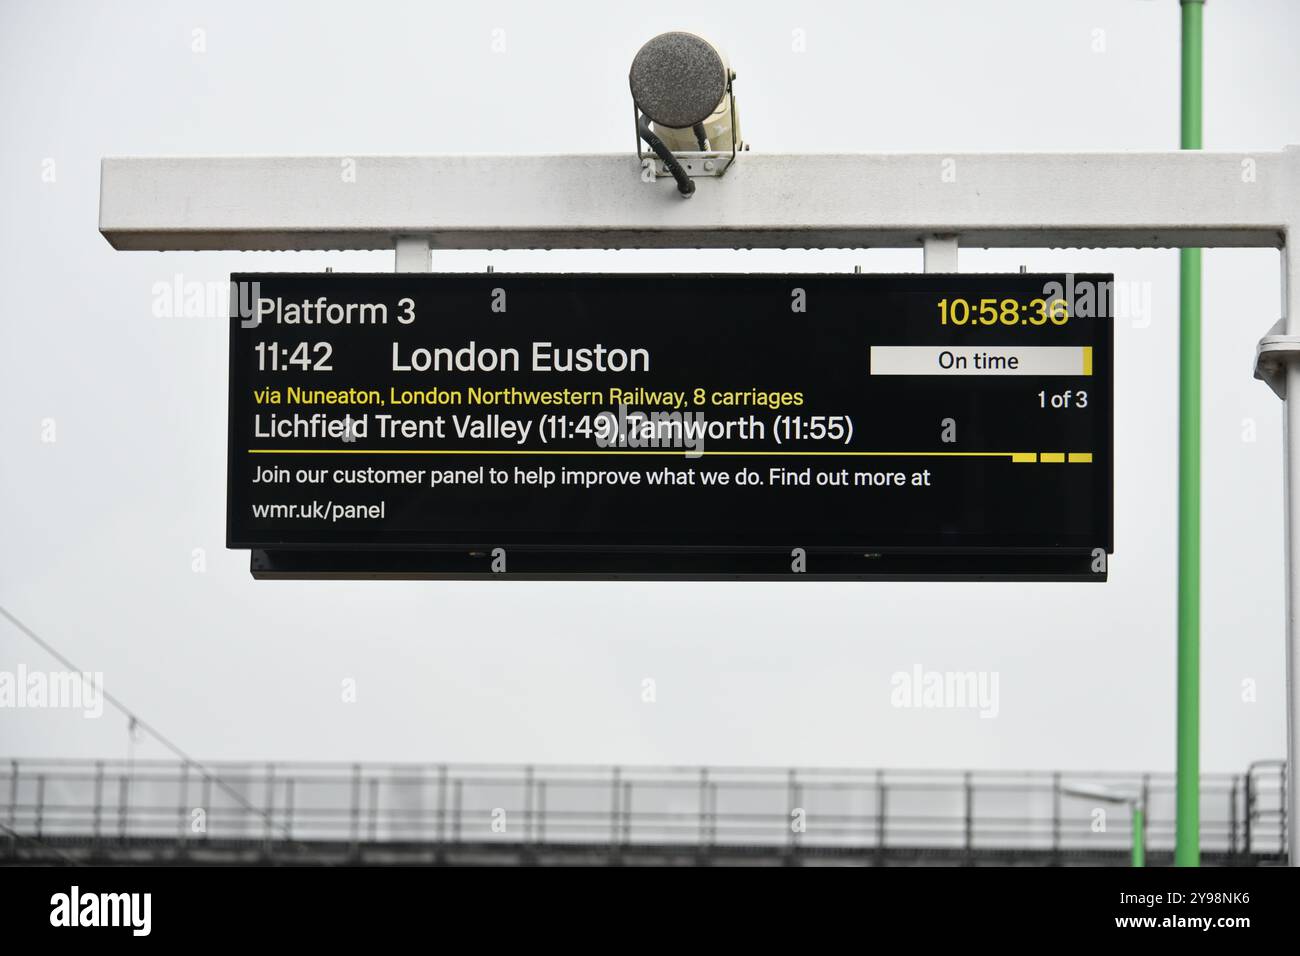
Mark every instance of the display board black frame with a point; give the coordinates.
(812, 334)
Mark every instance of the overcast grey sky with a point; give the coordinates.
(98, 528)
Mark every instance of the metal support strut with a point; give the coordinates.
(940, 253)
(1277, 362)
(412, 254)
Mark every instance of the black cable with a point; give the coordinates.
(701, 137)
(685, 185)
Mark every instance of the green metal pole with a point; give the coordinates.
(1187, 842)
(1139, 836)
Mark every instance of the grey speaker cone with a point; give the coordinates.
(677, 79)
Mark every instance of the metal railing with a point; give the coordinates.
(444, 804)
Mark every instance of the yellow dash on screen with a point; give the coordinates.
(1087, 360)
(1052, 457)
(1083, 457)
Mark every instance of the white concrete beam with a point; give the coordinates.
(769, 201)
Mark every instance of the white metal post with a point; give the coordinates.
(412, 254)
(940, 253)
(1291, 472)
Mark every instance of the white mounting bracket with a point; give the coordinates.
(1275, 352)
(412, 254)
(940, 253)
(697, 165)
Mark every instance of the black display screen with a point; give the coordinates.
(660, 414)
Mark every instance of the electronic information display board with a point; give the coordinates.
(675, 425)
